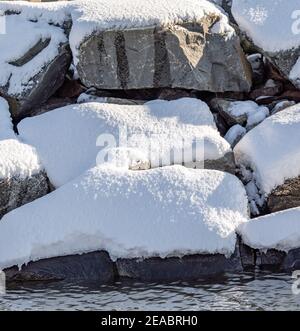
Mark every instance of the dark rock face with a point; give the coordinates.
(181, 56)
(226, 163)
(285, 196)
(174, 269)
(96, 266)
(16, 191)
(272, 259)
(43, 85)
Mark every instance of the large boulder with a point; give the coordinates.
(72, 139)
(22, 177)
(271, 153)
(184, 268)
(95, 266)
(272, 241)
(153, 44)
(280, 43)
(34, 56)
(164, 212)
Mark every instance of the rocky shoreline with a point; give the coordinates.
(212, 75)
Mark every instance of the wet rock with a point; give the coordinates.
(271, 259)
(17, 191)
(292, 260)
(186, 268)
(285, 196)
(183, 56)
(247, 254)
(96, 266)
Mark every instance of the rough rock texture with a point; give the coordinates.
(285, 196)
(17, 191)
(222, 106)
(226, 163)
(96, 266)
(190, 267)
(271, 259)
(180, 56)
(44, 85)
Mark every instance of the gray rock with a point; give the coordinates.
(184, 56)
(96, 266)
(226, 163)
(285, 196)
(187, 268)
(17, 191)
(222, 106)
(41, 83)
(272, 259)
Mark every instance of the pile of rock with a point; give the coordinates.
(88, 73)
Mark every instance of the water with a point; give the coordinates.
(247, 291)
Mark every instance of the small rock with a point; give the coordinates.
(235, 134)
(271, 88)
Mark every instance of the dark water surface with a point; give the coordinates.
(247, 291)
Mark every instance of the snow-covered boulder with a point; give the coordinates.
(275, 238)
(22, 178)
(34, 55)
(170, 211)
(235, 134)
(138, 44)
(271, 151)
(245, 113)
(72, 139)
(274, 28)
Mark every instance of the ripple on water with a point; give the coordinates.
(247, 291)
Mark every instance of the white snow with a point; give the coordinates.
(16, 159)
(279, 231)
(268, 23)
(89, 16)
(234, 133)
(100, 15)
(170, 211)
(255, 113)
(54, 12)
(295, 74)
(272, 149)
(272, 25)
(6, 126)
(21, 35)
(71, 140)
